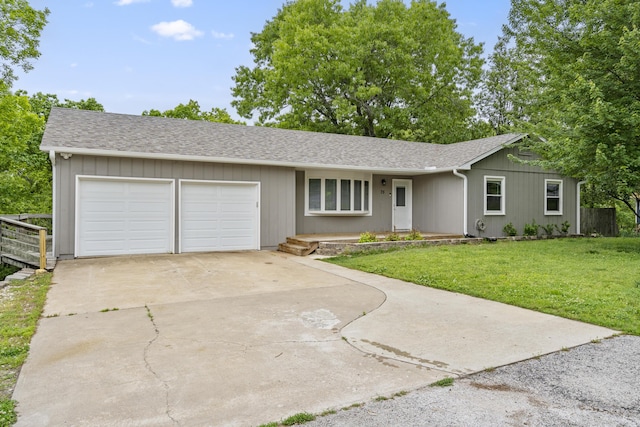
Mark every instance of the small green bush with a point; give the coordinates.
(564, 228)
(548, 229)
(509, 230)
(414, 235)
(531, 229)
(368, 237)
(393, 237)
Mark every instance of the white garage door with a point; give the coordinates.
(219, 216)
(123, 216)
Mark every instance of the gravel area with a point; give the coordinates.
(597, 384)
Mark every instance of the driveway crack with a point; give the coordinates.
(165, 385)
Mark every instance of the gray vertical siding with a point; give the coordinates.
(525, 189)
(379, 221)
(277, 216)
(438, 203)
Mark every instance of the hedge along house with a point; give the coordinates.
(125, 184)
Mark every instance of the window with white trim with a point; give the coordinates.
(494, 195)
(337, 193)
(553, 197)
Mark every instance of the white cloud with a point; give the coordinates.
(178, 30)
(181, 3)
(217, 35)
(140, 39)
(88, 4)
(128, 2)
(73, 65)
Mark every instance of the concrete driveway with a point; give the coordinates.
(242, 339)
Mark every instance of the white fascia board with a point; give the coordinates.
(163, 156)
(467, 166)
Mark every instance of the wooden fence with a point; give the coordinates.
(598, 220)
(23, 244)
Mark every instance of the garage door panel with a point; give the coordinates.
(119, 217)
(217, 216)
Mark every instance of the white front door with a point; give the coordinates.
(402, 205)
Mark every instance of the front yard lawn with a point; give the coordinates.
(591, 280)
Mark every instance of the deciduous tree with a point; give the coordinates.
(191, 111)
(387, 70)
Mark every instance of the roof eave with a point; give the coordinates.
(208, 159)
(467, 165)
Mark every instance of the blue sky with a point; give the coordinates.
(134, 55)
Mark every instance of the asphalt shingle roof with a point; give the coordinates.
(86, 132)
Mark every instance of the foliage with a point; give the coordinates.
(7, 270)
(549, 229)
(367, 237)
(301, 418)
(564, 228)
(25, 171)
(531, 229)
(585, 97)
(20, 28)
(414, 234)
(191, 111)
(21, 305)
(509, 229)
(387, 70)
(591, 280)
(445, 382)
(392, 237)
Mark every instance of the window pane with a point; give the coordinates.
(494, 203)
(400, 196)
(330, 194)
(553, 204)
(345, 194)
(493, 187)
(553, 189)
(314, 194)
(366, 196)
(357, 195)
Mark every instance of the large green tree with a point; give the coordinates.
(20, 28)
(191, 111)
(585, 101)
(383, 70)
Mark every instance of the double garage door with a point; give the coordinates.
(138, 216)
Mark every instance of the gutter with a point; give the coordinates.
(54, 196)
(465, 195)
(578, 216)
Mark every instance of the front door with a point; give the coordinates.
(402, 205)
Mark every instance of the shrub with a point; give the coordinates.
(564, 228)
(509, 230)
(414, 235)
(531, 229)
(548, 229)
(368, 237)
(393, 237)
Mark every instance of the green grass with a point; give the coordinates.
(6, 270)
(591, 280)
(445, 382)
(21, 305)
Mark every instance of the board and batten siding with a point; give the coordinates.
(277, 190)
(438, 203)
(379, 221)
(525, 194)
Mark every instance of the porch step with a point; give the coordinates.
(297, 247)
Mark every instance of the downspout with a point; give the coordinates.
(52, 158)
(578, 216)
(465, 193)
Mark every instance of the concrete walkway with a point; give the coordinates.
(243, 339)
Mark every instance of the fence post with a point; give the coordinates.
(43, 251)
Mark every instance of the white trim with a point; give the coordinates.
(119, 178)
(560, 197)
(465, 200)
(503, 194)
(483, 156)
(323, 175)
(220, 182)
(54, 197)
(408, 199)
